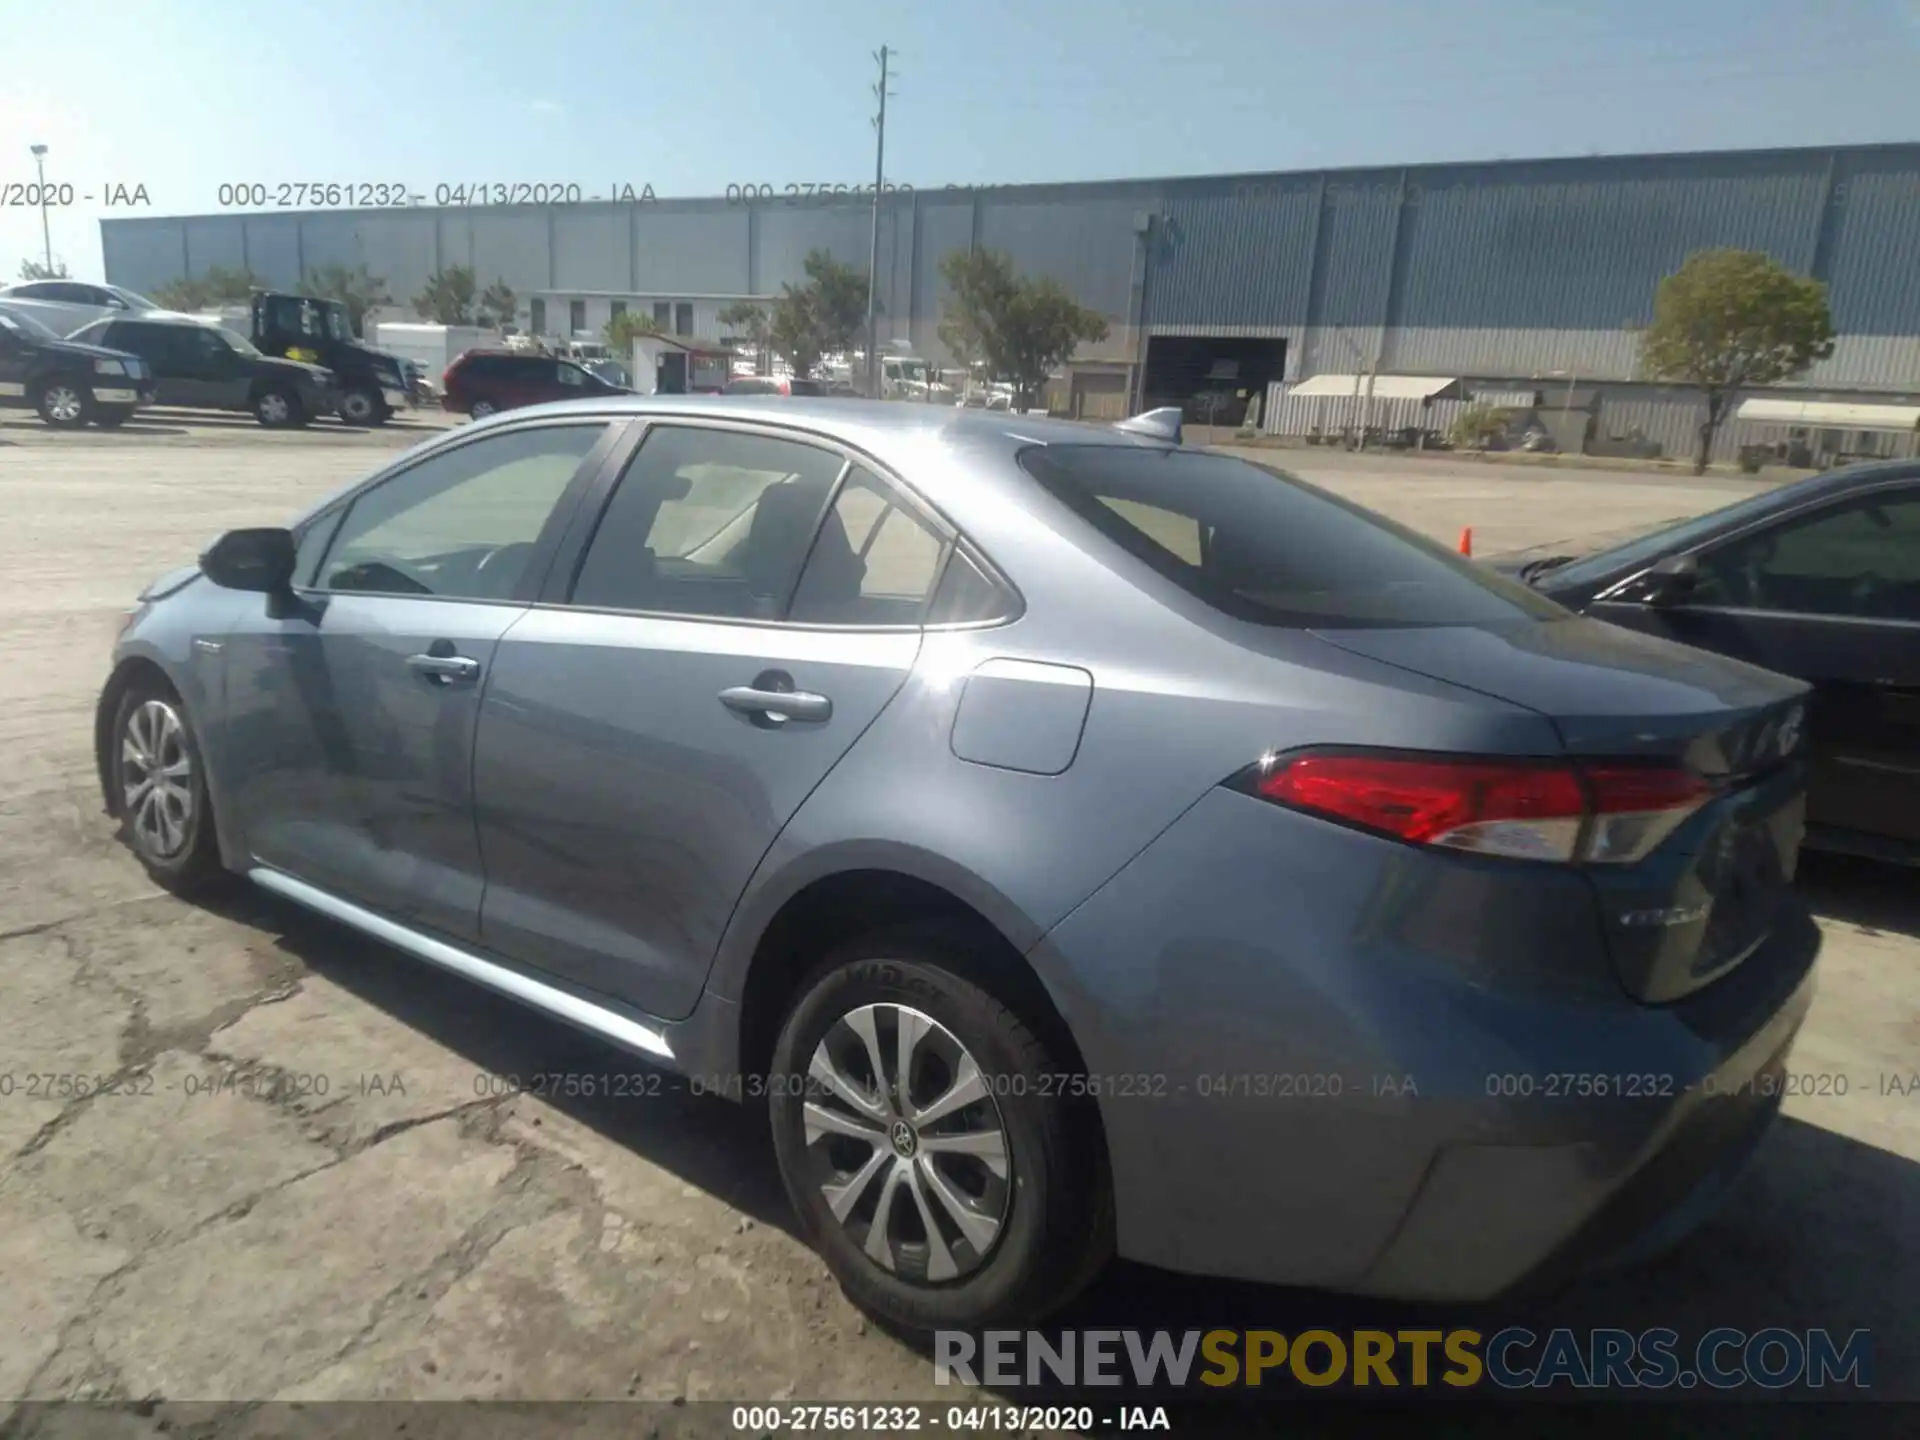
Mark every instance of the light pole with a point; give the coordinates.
(873, 245)
(46, 239)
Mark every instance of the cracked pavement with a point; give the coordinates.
(299, 1176)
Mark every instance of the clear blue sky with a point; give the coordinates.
(181, 95)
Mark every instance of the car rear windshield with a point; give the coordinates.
(1271, 549)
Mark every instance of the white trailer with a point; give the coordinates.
(431, 347)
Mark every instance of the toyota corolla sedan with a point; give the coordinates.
(1079, 843)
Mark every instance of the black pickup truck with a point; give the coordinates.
(69, 383)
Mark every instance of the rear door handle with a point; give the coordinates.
(777, 704)
(445, 669)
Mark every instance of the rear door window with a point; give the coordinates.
(874, 561)
(1267, 548)
(708, 522)
(149, 342)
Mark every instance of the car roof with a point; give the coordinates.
(878, 425)
(155, 317)
(1866, 472)
(963, 461)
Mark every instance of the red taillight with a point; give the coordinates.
(1520, 809)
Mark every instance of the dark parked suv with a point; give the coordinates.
(482, 382)
(207, 367)
(68, 383)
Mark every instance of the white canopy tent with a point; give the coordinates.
(1830, 414)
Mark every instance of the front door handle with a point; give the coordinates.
(777, 704)
(445, 669)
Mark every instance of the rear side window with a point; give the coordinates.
(1270, 549)
(708, 522)
(146, 341)
(874, 561)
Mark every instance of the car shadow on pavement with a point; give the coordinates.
(1822, 1231)
(704, 1140)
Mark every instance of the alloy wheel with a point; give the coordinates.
(64, 404)
(906, 1143)
(356, 407)
(481, 409)
(273, 408)
(156, 779)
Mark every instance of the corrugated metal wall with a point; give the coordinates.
(1511, 268)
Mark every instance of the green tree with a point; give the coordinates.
(623, 329)
(793, 329)
(1020, 325)
(498, 304)
(448, 297)
(214, 286)
(746, 319)
(356, 288)
(39, 270)
(1476, 425)
(1730, 319)
(838, 301)
(977, 280)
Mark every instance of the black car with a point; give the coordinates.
(69, 383)
(1819, 579)
(206, 367)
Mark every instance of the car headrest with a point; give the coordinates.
(782, 520)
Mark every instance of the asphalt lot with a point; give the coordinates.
(310, 1186)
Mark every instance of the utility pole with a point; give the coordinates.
(46, 240)
(873, 245)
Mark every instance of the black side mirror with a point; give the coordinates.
(1671, 580)
(260, 560)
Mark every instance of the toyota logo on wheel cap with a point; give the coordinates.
(905, 1142)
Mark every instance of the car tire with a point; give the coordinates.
(63, 403)
(168, 825)
(277, 409)
(112, 417)
(481, 409)
(1018, 1189)
(363, 407)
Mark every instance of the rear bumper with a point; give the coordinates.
(1331, 1060)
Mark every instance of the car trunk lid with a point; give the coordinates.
(1712, 891)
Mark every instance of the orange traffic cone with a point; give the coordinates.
(1466, 540)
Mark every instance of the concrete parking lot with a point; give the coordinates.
(310, 1180)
